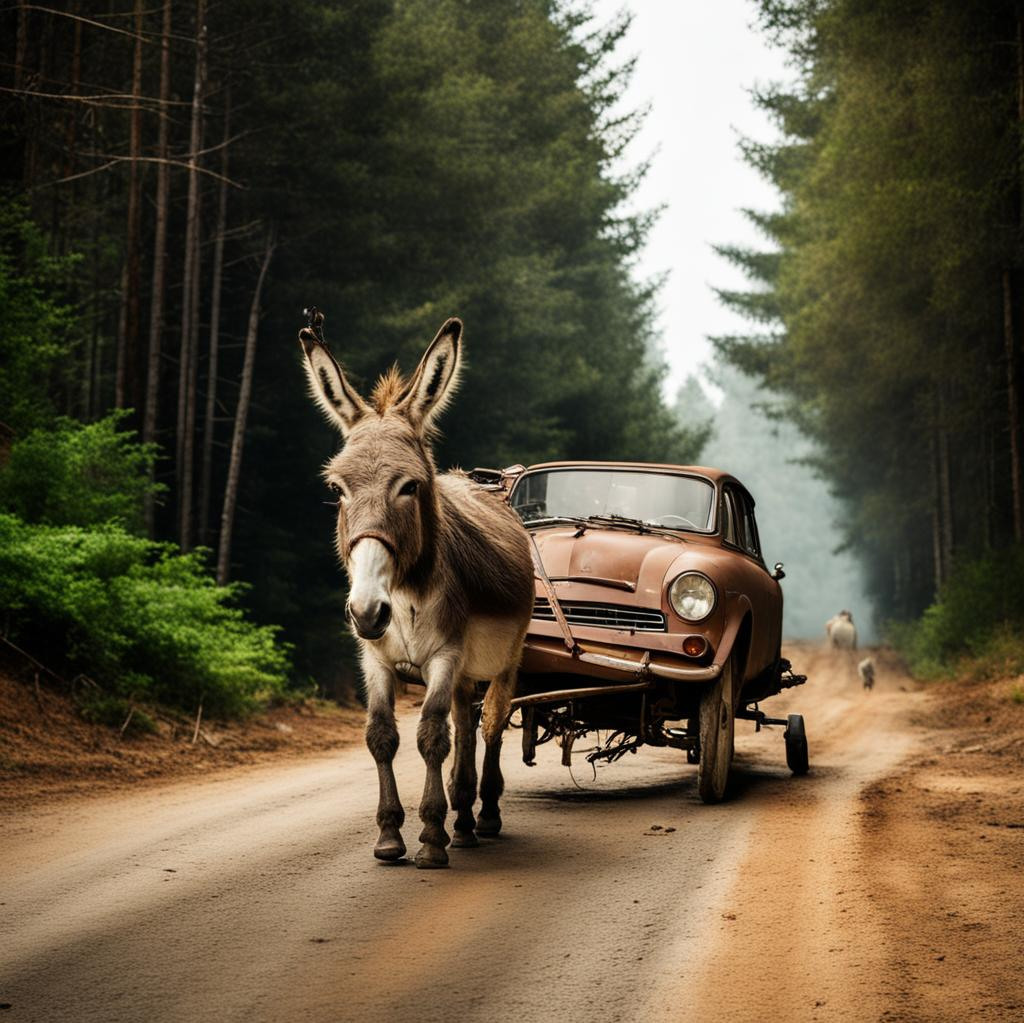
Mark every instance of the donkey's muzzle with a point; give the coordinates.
(370, 622)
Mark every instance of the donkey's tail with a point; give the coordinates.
(498, 705)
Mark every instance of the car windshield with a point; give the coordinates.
(662, 499)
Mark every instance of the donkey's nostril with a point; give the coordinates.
(372, 622)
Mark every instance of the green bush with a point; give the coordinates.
(79, 474)
(143, 620)
(38, 328)
(976, 625)
(117, 712)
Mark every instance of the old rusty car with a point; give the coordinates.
(656, 621)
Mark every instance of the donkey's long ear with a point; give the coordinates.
(436, 377)
(331, 391)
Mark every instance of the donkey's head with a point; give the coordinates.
(385, 474)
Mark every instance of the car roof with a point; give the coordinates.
(707, 471)
(696, 470)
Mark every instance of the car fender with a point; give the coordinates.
(737, 610)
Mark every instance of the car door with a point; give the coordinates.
(763, 592)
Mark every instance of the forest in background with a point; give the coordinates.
(798, 520)
(180, 180)
(888, 301)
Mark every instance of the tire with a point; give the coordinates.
(717, 733)
(796, 745)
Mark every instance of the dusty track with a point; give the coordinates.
(253, 895)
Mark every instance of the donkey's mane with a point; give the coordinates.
(388, 390)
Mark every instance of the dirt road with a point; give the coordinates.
(253, 896)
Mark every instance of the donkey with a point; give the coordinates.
(441, 588)
(841, 632)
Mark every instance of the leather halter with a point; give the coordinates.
(372, 534)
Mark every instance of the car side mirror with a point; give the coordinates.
(778, 573)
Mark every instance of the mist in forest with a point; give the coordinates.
(797, 517)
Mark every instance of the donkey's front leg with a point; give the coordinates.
(434, 744)
(382, 741)
(462, 783)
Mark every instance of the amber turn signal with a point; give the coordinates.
(694, 646)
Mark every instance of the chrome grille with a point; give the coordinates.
(602, 616)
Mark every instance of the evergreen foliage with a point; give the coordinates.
(796, 515)
(892, 288)
(144, 621)
(414, 160)
(974, 625)
(35, 325)
(84, 591)
(80, 474)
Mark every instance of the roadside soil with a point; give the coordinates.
(882, 887)
(890, 889)
(48, 751)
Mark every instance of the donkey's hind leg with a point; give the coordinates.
(462, 782)
(497, 705)
(382, 741)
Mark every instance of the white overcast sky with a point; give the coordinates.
(697, 61)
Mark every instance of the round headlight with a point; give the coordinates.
(692, 596)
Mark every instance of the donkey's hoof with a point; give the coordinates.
(389, 847)
(464, 840)
(488, 825)
(431, 857)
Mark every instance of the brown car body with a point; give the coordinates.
(611, 653)
(631, 569)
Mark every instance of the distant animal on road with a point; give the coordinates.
(441, 587)
(866, 670)
(841, 632)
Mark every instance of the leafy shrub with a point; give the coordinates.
(146, 622)
(37, 328)
(976, 625)
(116, 712)
(79, 474)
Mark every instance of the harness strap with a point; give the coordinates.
(539, 572)
(371, 534)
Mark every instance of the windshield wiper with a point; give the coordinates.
(639, 525)
(548, 520)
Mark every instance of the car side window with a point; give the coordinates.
(747, 526)
(728, 517)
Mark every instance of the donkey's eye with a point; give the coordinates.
(409, 488)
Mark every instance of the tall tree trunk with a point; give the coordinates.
(190, 287)
(1013, 410)
(946, 493)
(126, 373)
(22, 80)
(215, 296)
(937, 531)
(1012, 381)
(65, 228)
(21, 46)
(227, 518)
(94, 404)
(156, 308)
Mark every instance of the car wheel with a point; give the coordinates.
(717, 731)
(796, 745)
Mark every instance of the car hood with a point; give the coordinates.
(629, 567)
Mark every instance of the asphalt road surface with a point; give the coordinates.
(254, 895)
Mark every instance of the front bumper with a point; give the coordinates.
(544, 655)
